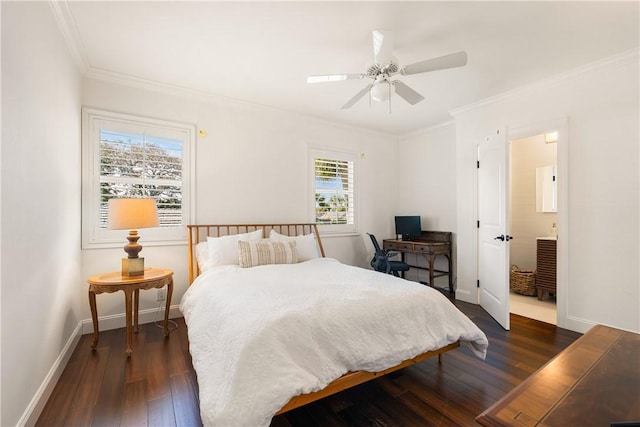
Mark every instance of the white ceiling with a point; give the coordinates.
(262, 52)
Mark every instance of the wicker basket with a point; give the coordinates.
(522, 282)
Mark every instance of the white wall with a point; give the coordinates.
(41, 283)
(525, 223)
(427, 177)
(600, 282)
(427, 187)
(252, 167)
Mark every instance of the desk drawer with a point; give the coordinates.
(398, 246)
(390, 245)
(433, 248)
(408, 247)
(423, 248)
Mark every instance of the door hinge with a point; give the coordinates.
(478, 283)
(478, 164)
(554, 178)
(478, 224)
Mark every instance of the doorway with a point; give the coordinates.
(533, 219)
(493, 272)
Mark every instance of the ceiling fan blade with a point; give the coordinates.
(406, 93)
(334, 78)
(357, 97)
(382, 46)
(448, 61)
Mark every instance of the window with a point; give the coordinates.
(129, 156)
(334, 190)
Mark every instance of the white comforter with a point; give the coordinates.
(259, 336)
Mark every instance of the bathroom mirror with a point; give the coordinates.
(546, 189)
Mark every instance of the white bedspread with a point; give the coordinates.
(260, 336)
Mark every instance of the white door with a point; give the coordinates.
(493, 253)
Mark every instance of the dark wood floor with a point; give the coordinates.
(158, 386)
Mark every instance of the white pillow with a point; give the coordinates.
(252, 254)
(306, 246)
(202, 256)
(224, 250)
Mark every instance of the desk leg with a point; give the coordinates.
(128, 310)
(136, 303)
(94, 317)
(451, 290)
(167, 307)
(431, 282)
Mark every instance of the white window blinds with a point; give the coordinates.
(334, 190)
(133, 165)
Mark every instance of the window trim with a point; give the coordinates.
(93, 237)
(334, 229)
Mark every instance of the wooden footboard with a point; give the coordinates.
(352, 379)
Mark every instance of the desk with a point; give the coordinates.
(593, 382)
(113, 282)
(430, 244)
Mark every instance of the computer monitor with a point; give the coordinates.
(408, 226)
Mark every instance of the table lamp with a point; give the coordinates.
(132, 214)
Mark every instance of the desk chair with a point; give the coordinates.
(381, 261)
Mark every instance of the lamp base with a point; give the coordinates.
(132, 267)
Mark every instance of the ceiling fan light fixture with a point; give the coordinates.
(385, 66)
(382, 91)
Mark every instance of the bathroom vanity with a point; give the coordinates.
(546, 262)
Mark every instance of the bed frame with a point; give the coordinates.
(199, 233)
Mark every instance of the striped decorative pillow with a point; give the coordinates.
(254, 253)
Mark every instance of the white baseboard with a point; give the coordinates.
(33, 411)
(465, 295)
(576, 324)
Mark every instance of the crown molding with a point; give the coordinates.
(426, 130)
(629, 56)
(211, 98)
(69, 31)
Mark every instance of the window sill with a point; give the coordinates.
(146, 244)
(340, 234)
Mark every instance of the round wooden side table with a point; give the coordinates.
(130, 285)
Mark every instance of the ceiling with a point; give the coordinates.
(263, 52)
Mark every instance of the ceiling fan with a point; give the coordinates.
(385, 66)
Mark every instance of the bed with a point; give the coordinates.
(296, 326)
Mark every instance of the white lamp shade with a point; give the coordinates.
(131, 214)
(382, 91)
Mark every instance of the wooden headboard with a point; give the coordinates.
(199, 233)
